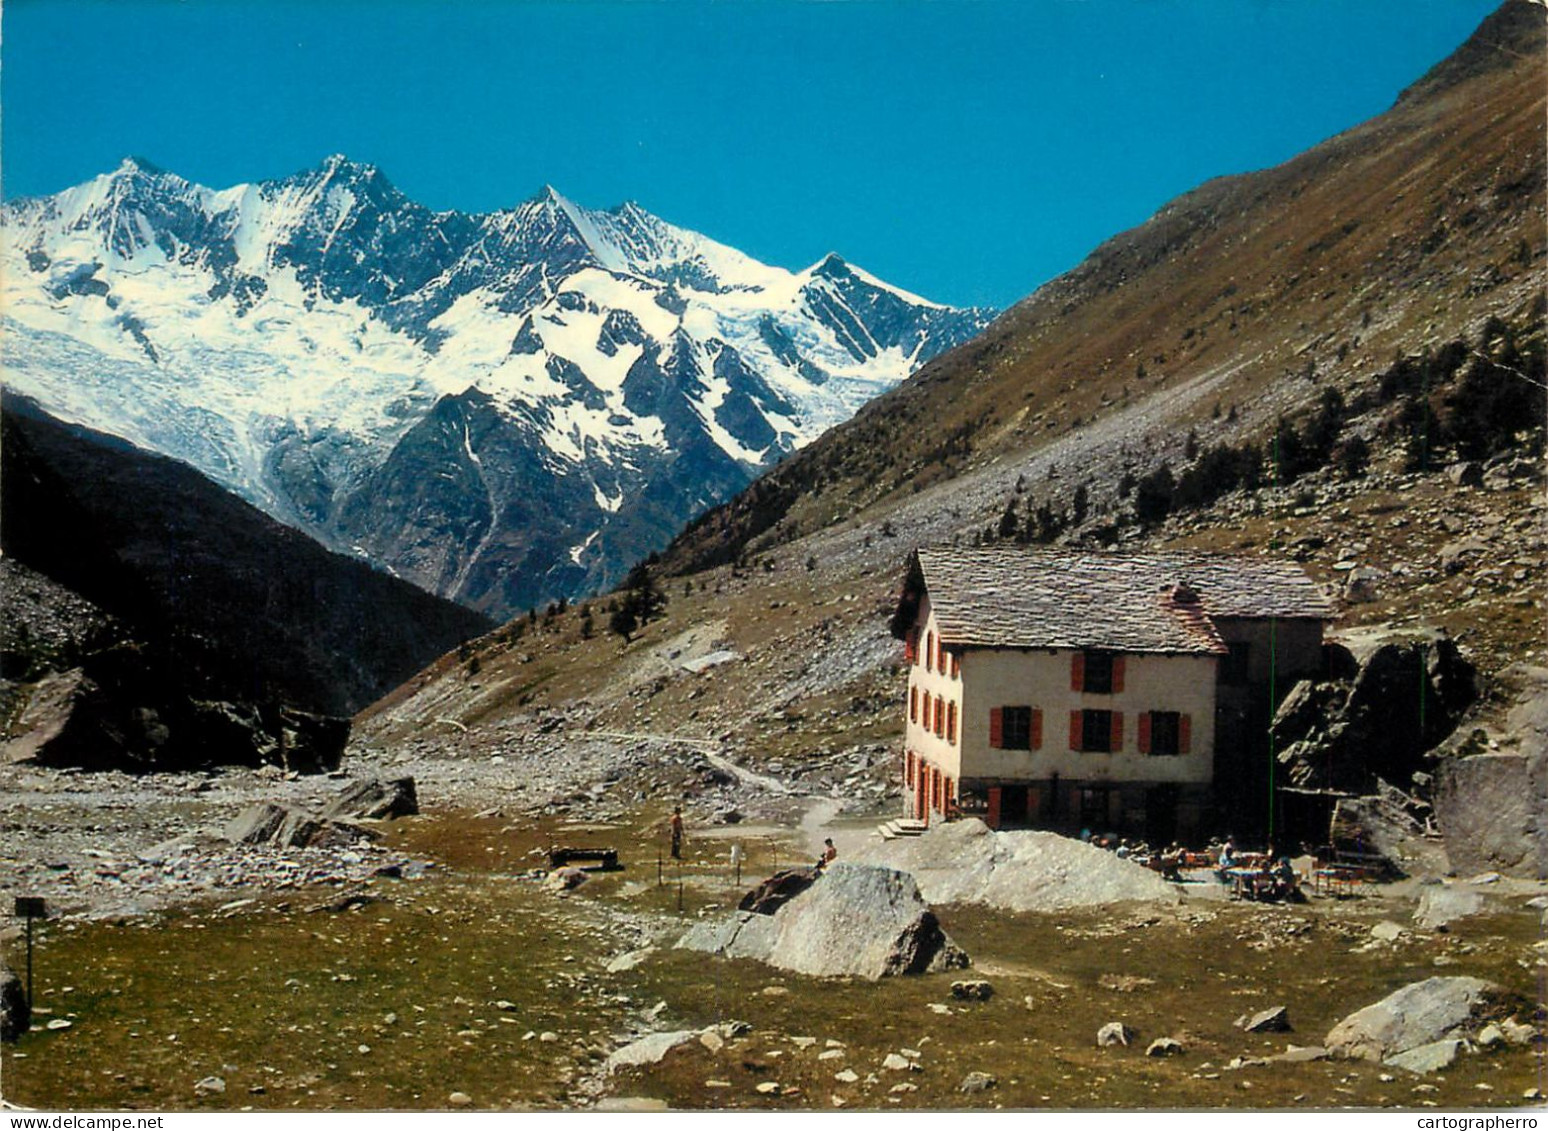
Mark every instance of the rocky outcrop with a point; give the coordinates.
(857, 920)
(116, 712)
(286, 827)
(1492, 808)
(1419, 1014)
(1022, 870)
(1396, 695)
(15, 1010)
(375, 799)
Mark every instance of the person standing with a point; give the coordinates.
(677, 833)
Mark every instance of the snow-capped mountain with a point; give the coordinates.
(503, 408)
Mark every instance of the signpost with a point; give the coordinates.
(30, 907)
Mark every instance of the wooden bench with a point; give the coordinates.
(606, 857)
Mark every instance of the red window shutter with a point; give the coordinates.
(951, 722)
(930, 651)
(1117, 743)
(1184, 733)
(1143, 736)
(940, 717)
(996, 728)
(1117, 675)
(911, 646)
(956, 666)
(1078, 672)
(1037, 729)
(1075, 736)
(908, 768)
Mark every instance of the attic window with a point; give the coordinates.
(1185, 594)
(1098, 675)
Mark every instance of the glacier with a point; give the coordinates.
(504, 408)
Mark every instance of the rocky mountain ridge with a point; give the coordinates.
(502, 408)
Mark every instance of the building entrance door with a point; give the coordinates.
(1013, 805)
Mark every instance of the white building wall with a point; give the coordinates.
(1041, 679)
(925, 677)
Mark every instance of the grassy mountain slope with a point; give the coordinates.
(1407, 229)
(1238, 304)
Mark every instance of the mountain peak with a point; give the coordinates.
(133, 163)
(831, 266)
(550, 195)
(337, 166)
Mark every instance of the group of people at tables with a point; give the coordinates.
(1257, 875)
(1252, 875)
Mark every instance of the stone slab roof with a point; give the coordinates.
(1160, 602)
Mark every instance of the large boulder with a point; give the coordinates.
(1440, 904)
(286, 827)
(375, 799)
(58, 705)
(1018, 870)
(649, 1049)
(15, 1010)
(857, 919)
(1397, 695)
(1421, 1013)
(1492, 810)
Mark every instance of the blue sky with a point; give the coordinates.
(965, 149)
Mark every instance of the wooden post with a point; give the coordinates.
(30, 907)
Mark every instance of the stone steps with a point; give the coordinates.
(902, 826)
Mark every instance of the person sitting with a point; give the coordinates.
(829, 854)
(1286, 883)
(1226, 860)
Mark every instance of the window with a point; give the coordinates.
(908, 769)
(1098, 673)
(913, 704)
(1234, 668)
(1163, 733)
(1096, 732)
(940, 717)
(929, 651)
(1017, 728)
(951, 722)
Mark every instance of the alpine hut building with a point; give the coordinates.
(1099, 691)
